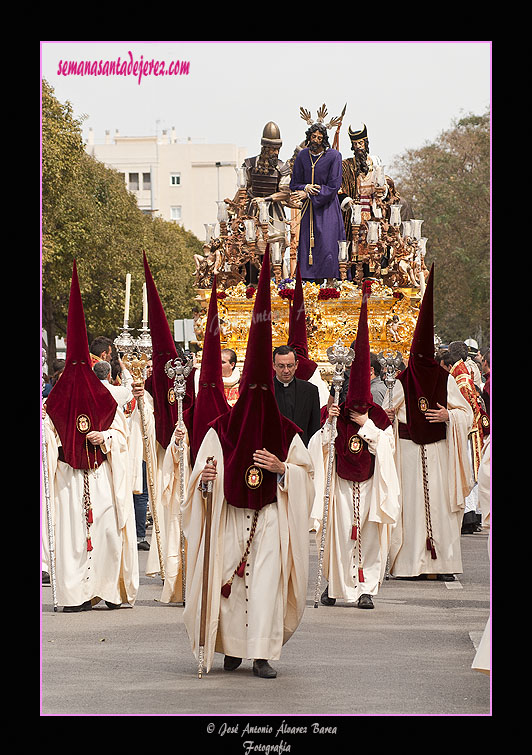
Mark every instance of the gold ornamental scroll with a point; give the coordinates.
(392, 317)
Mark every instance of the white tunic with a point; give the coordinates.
(172, 591)
(154, 461)
(266, 604)
(482, 659)
(449, 482)
(110, 571)
(378, 511)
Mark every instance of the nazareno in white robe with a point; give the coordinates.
(266, 605)
(449, 482)
(378, 511)
(482, 659)
(156, 455)
(110, 571)
(172, 591)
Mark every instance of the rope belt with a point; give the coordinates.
(428, 522)
(87, 508)
(240, 569)
(356, 530)
(309, 205)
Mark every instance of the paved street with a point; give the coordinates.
(411, 655)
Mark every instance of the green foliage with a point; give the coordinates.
(88, 215)
(448, 185)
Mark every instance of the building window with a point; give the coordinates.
(146, 181)
(175, 213)
(133, 182)
(175, 179)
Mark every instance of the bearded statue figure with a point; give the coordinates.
(359, 182)
(268, 180)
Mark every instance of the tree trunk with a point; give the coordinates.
(48, 323)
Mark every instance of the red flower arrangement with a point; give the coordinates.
(329, 293)
(250, 292)
(221, 295)
(286, 293)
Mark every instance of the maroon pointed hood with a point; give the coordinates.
(210, 401)
(78, 402)
(159, 385)
(424, 381)
(255, 421)
(359, 388)
(297, 331)
(353, 458)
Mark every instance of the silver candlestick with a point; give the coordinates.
(143, 342)
(125, 342)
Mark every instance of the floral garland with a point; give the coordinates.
(328, 292)
(286, 288)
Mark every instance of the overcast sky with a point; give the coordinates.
(406, 93)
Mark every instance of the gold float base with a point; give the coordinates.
(392, 316)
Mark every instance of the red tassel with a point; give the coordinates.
(431, 548)
(354, 532)
(89, 544)
(89, 516)
(241, 569)
(360, 574)
(226, 590)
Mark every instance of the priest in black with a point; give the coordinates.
(298, 400)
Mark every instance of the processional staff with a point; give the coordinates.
(391, 363)
(49, 521)
(341, 356)
(178, 370)
(205, 579)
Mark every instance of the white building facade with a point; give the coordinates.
(177, 180)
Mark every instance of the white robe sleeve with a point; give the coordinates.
(461, 479)
(294, 501)
(384, 503)
(115, 446)
(137, 448)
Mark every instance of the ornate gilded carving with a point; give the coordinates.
(392, 316)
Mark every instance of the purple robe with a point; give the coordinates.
(327, 218)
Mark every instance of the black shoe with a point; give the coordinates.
(325, 598)
(365, 601)
(87, 606)
(143, 546)
(112, 605)
(231, 663)
(263, 669)
(446, 577)
(45, 578)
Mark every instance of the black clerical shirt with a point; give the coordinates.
(298, 400)
(286, 398)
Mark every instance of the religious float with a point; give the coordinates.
(383, 243)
